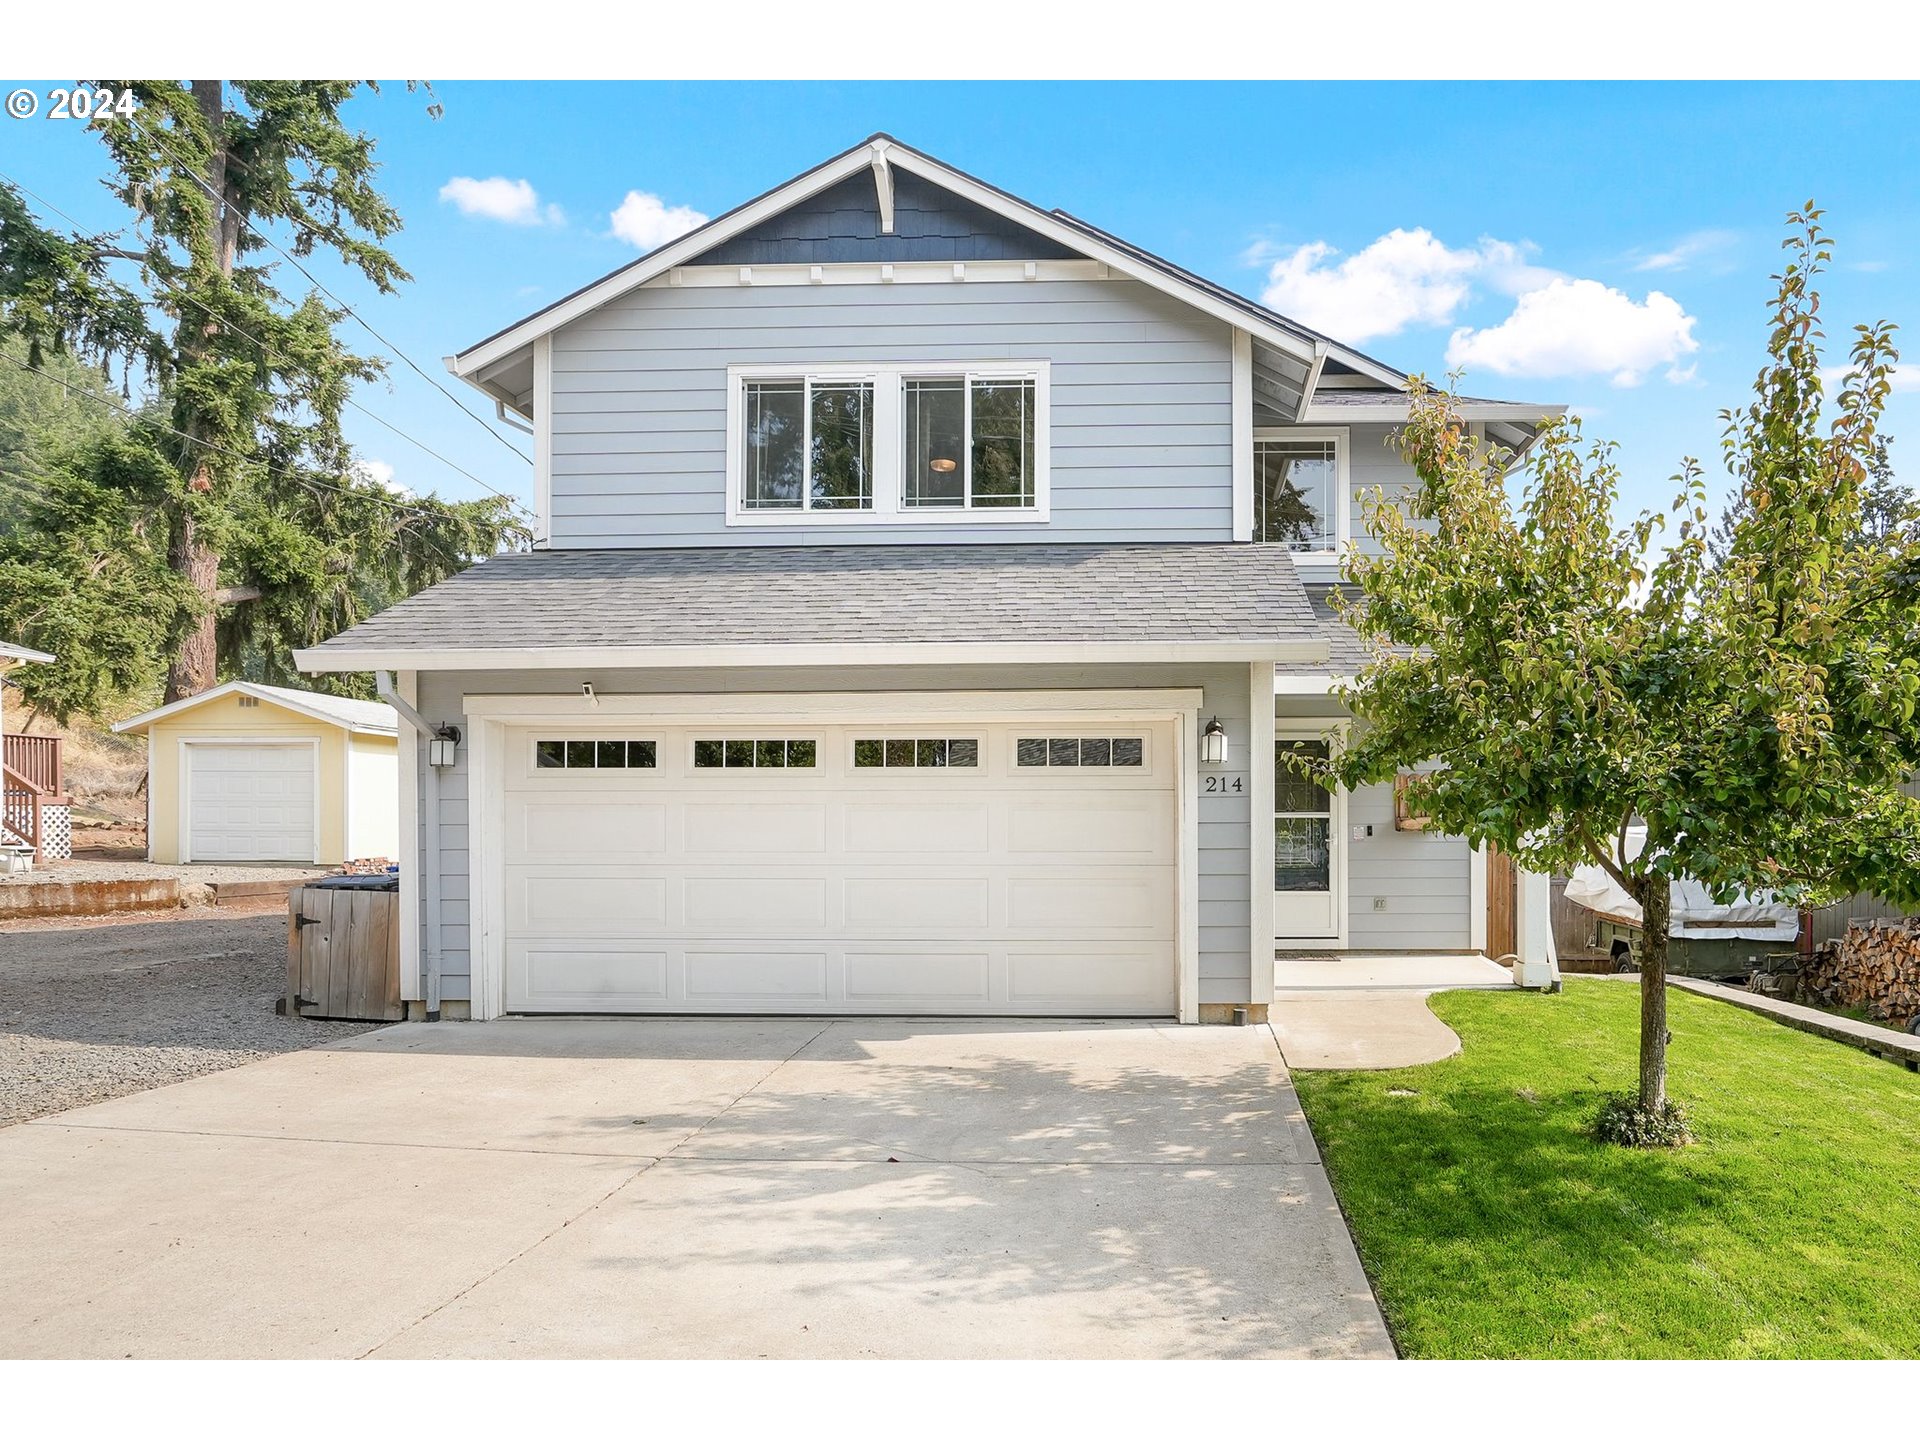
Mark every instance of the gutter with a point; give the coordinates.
(429, 874)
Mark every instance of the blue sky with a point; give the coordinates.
(1604, 245)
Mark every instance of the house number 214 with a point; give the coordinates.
(1225, 784)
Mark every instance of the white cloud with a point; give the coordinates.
(647, 222)
(1581, 327)
(1406, 277)
(513, 202)
(381, 474)
(1700, 245)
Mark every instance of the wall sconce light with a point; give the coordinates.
(1213, 743)
(442, 747)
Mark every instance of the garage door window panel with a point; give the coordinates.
(754, 754)
(1074, 752)
(899, 753)
(557, 754)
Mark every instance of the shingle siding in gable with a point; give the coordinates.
(1141, 392)
(842, 224)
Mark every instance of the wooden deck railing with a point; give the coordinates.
(35, 760)
(22, 807)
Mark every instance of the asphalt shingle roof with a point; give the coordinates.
(1345, 654)
(876, 594)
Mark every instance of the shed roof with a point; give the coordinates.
(841, 604)
(371, 717)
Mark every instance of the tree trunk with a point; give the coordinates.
(1655, 899)
(196, 659)
(195, 664)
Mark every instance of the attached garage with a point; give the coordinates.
(1024, 868)
(247, 773)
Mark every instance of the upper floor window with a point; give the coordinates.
(808, 445)
(969, 442)
(911, 444)
(1300, 490)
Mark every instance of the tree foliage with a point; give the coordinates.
(1573, 676)
(243, 383)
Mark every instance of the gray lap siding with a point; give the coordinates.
(1141, 404)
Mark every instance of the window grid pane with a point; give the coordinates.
(1091, 752)
(593, 754)
(840, 473)
(1294, 493)
(936, 431)
(1001, 469)
(774, 439)
(753, 754)
(900, 754)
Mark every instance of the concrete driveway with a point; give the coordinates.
(693, 1188)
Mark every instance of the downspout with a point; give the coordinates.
(429, 873)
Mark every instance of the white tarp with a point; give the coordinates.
(1695, 916)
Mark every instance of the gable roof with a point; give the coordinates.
(843, 604)
(363, 717)
(882, 152)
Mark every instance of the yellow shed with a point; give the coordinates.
(248, 772)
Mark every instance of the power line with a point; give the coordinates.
(310, 478)
(158, 138)
(271, 352)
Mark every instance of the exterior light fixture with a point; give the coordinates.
(1213, 743)
(442, 747)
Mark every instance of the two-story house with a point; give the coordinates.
(924, 587)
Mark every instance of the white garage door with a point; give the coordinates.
(250, 802)
(961, 869)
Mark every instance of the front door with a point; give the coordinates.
(1306, 841)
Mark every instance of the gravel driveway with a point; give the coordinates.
(91, 1012)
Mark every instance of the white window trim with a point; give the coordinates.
(1342, 482)
(889, 443)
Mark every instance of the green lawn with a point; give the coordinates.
(1492, 1225)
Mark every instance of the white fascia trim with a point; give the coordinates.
(657, 657)
(466, 363)
(266, 697)
(867, 272)
(817, 707)
(1308, 684)
(25, 654)
(834, 171)
(1394, 408)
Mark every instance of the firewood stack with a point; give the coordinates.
(1875, 966)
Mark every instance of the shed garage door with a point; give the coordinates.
(250, 802)
(1021, 869)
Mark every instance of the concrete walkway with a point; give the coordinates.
(693, 1188)
(1369, 1012)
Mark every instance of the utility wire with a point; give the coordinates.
(270, 352)
(159, 139)
(309, 478)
